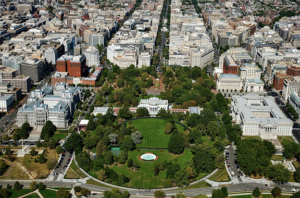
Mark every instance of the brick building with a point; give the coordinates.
(278, 80)
(74, 65)
(229, 66)
(294, 70)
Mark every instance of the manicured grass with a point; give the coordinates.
(144, 177)
(77, 170)
(60, 135)
(251, 137)
(153, 131)
(70, 174)
(15, 194)
(242, 196)
(220, 176)
(296, 164)
(277, 157)
(201, 184)
(285, 138)
(271, 196)
(93, 182)
(49, 193)
(33, 195)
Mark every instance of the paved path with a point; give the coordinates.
(34, 192)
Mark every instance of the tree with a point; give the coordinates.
(276, 192)
(217, 193)
(85, 191)
(84, 161)
(38, 144)
(225, 191)
(137, 137)
(180, 195)
(77, 188)
(256, 192)
(33, 186)
(156, 170)
(182, 178)
(87, 93)
(73, 142)
(42, 159)
(142, 112)
(296, 195)
(168, 128)
(128, 144)
(279, 173)
(129, 163)
(125, 113)
(17, 186)
(42, 187)
(109, 158)
(176, 144)
(193, 120)
(92, 108)
(172, 169)
(159, 194)
(115, 193)
(63, 193)
(200, 196)
(204, 161)
(113, 137)
(59, 149)
(33, 152)
(123, 157)
(100, 148)
(5, 193)
(90, 126)
(149, 83)
(297, 174)
(212, 128)
(101, 175)
(49, 129)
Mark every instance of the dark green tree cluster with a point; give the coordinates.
(181, 90)
(142, 112)
(291, 109)
(3, 167)
(254, 158)
(116, 193)
(23, 132)
(291, 149)
(48, 130)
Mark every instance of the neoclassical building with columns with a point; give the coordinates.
(154, 105)
(260, 116)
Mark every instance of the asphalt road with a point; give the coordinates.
(242, 187)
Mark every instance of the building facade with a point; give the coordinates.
(260, 116)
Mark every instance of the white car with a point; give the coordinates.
(293, 190)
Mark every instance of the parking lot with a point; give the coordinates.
(63, 164)
(232, 166)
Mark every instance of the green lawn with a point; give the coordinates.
(153, 131)
(60, 135)
(144, 177)
(15, 194)
(33, 195)
(242, 196)
(277, 157)
(201, 184)
(271, 196)
(49, 193)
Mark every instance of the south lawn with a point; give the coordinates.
(144, 177)
(153, 131)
